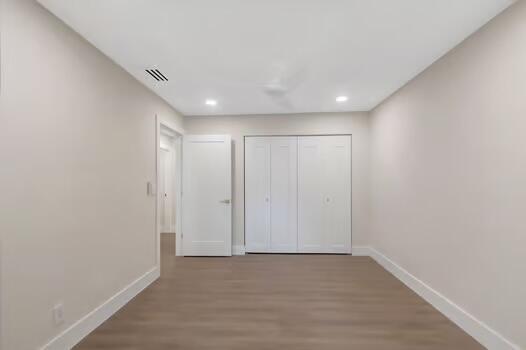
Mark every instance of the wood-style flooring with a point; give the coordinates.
(290, 302)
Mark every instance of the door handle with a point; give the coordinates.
(226, 201)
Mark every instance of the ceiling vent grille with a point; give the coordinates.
(156, 74)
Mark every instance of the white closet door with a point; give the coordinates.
(324, 194)
(257, 194)
(337, 192)
(311, 230)
(283, 196)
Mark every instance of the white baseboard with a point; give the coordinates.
(76, 332)
(361, 251)
(485, 335)
(238, 250)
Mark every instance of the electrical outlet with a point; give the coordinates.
(58, 314)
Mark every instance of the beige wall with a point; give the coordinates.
(448, 165)
(78, 136)
(356, 124)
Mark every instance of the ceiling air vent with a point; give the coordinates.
(156, 74)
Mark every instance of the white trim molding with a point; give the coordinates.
(238, 250)
(485, 335)
(361, 251)
(76, 332)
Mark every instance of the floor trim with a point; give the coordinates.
(76, 332)
(361, 251)
(238, 250)
(485, 335)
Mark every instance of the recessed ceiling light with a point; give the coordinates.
(211, 102)
(341, 99)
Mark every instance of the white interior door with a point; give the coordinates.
(298, 194)
(271, 194)
(337, 194)
(310, 195)
(207, 182)
(162, 191)
(167, 190)
(283, 194)
(257, 194)
(324, 194)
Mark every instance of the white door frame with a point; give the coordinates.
(178, 136)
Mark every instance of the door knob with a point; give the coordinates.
(226, 201)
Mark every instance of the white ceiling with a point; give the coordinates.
(229, 50)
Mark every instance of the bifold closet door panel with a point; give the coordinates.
(337, 192)
(310, 194)
(283, 195)
(257, 194)
(324, 194)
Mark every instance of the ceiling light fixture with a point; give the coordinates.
(211, 102)
(341, 99)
